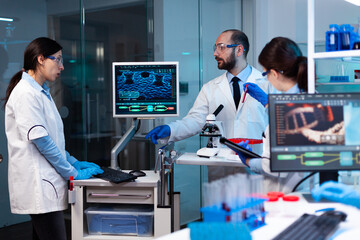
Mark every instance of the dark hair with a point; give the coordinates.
(283, 54)
(238, 37)
(40, 46)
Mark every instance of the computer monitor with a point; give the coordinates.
(145, 89)
(314, 132)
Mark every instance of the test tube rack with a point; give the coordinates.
(251, 212)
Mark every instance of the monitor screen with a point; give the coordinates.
(145, 89)
(314, 132)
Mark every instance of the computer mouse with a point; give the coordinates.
(137, 173)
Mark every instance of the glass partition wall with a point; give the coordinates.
(93, 35)
(93, 38)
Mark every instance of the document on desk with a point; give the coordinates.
(220, 160)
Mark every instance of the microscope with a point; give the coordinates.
(213, 130)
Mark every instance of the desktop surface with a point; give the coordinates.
(280, 216)
(150, 180)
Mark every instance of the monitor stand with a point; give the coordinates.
(328, 176)
(121, 144)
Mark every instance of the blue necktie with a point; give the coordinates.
(235, 82)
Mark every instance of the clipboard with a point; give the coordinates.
(235, 147)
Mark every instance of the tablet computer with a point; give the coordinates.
(235, 147)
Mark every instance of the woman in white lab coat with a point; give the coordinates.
(38, 163)
(286, 69)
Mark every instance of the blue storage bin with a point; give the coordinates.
(136, 220)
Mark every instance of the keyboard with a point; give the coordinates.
(115, 176)
(313, 227)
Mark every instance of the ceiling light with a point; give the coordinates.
(355, 2)
(6, 19)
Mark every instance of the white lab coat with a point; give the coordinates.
(248, 121)
(275, 181)
(34, 184)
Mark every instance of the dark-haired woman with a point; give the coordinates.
(286, 69)
(38, 163)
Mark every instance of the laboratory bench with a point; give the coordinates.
(281, 215)
(95, 191)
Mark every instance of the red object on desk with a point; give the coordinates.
(275, 194)
(71, 183)
(251, 141)
(291, 198)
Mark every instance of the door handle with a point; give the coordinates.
(115, 195)
(1, 158)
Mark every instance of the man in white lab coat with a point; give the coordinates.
(241, 119)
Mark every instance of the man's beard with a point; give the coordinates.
(227, 65)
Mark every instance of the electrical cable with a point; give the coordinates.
(302, 180)
(138, 126)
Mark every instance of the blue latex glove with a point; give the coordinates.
(87, 173)
(337, 192)
(162, 131)
(240, 154)
(83, 165)
(256, 92)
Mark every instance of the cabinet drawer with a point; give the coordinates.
(136, 195)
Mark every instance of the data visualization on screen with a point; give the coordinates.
(145, 89)
(315, 132)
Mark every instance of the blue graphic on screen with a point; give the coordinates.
(145, 89)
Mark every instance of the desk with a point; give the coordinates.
(280, 218)
(144, 190)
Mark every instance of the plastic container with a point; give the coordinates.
(135, 220)
(275, 194)
(332, 38)
(274, 204)
(346, 37)
(339, 79)
(291, 206)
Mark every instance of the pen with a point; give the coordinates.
(245, 93)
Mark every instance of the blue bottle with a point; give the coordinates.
(332, 38)
(345, 36)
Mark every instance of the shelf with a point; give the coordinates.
(92, 135)
(115, 237)
(337, 54)
(347, 56)
(337, 83)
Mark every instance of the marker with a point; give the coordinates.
(245, 93)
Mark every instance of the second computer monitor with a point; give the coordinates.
(145, 89)
(315, 132)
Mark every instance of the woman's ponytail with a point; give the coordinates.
(302, 77)
(13, 82)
